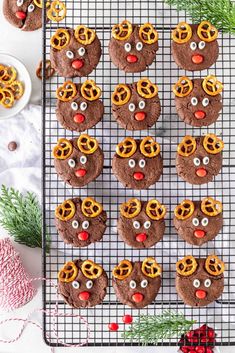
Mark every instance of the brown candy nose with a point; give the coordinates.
(200, 114)
(197, 59)
(140, 116)
(21, 15)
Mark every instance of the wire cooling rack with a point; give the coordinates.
(169, 130)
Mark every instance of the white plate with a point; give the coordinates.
(22, 76)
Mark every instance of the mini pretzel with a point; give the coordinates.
(121, 95)
(65, 211)
(6, 98)
(131, 208)
(182, 33)
(184, 210)
(148, 33)
(60, 39)
(49, 70)
(84, 35)
(214, 266)
(183, 87)
(126, 148)
(212, 86)
(122, 31)
(155, 210)
(87, 144)
(63, 149)
(91, 270)
(150, 268)
(187, 266)
(91, 208)
(39, 3)
(211, 207)
(57, 11)
(212, 144)
(68, 273)
(146, 89)
(66, 92)
(122, 270)
(149, 148)
(7, 75)
(207, 32)
(17, 89)
(187, 146)
(90, 91)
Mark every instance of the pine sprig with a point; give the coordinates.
(221, 13)
(152, 329)
(21, 216)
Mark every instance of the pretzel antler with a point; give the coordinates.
(90, 91)
(187, 146)
(60, 39)
(65, 211)
(91, 270)
(131, 208)
(122, 31)
(91, 208)
(214, 266)
(84, 35)
(212, 86)
(87, 144)
(148, 33)
(63, 149)
(150, 268)
(155, 210)
(126, 148)
(146, 89)
(184, 210)
(207, 32)
(149, 148)
(187, 266)
(68, 273)
(66, 92)
(212, 144)
(183, 87)
(121, 95)
(182, 33)
(211, 207)
(122, 270)
(57, 11)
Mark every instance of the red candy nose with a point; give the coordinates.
(141, 237)
(138, 176)
(140, 116)
(132, 58)
(77, 64)
(79, 118)
(199, 233)
(197, 59)
(201, 172)
(137, 297)
(84, 295)
(80, 173)
(21, 15)
(200, 294)
(83, 235)
(200, 114)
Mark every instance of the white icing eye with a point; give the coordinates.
(142, 163)
(71, 163)
(139, 46)
(194, 101)
(144, 283)
(136, 225)
(75, 284)
(196, 283)
(207, 283)
(81, 51)
(85, 224)
(89, 284)
(205, 102)
(75, 224)
(132, 284)
(127, 47)
(205, 222)
(195, 222)
(142, 104)
(83, 159)
(131, 163)
(19, 2)
(83, 106)
(31, 8)
(147, 224)
(201, 45)
(74, 106)
(206, 160)
(196, 162)
(193, 46)
(131, 107)
(69, 54)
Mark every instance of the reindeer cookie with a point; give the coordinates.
(198, 102)
(199, 159)
(141, 223)
(137, 164)
(137, 284)
(199, 282)
(80, 222)
(82, 284)
(198, 222)
(78, 161)
(133, 48)
(78, 106)
(75, 52)
(195, 47)
(136, 106)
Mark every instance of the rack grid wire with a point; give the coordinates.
(168, 131)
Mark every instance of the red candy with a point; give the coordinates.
(79, 118)
(127, 319)
(84, 295)
(141, 237)
(200, 114)
(83, 235)
(138, 176)
(77, 64)
(132, 58)
(140, 116)
(198, 233)
(137, 297)
(201, 172)
(80, 173)
(200, 294)
(113, 326)
(21, 15)
(197, 59)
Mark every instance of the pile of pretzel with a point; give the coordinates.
(11, 89)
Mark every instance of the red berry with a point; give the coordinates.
(192, 351)
(190, 334)
(127, 319)
(193, 340)
(184, 349)
(211, 333)
(209, 350)
(204, 339)
(113, 326)
(200, 349)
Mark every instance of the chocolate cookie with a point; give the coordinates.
(137, 164)
(199, 282)
(195, 47)
(78, 161)
(78, 106)
(136, 106)
(199, 159)
(141, 224)
(198, 102)
(82, 284)
(80, 223)
(133, 48)
(137, 284)
(198, 222)
(75, 52)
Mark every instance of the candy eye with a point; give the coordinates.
(127, 47)
(74, 106)
(142, 163)
(75, 224)
(83, 159)
(139, 46)
(136, 225)
(206, 160)
(196, 162)
(132, 284)
(69, 54)
(75, 284)
(71, 163)
(81, 51)
(19, 2)
(31, 8)
(195, 222)
(85, 225)
(142, 104)
(207, 283)
(147, 224)
(89, 284)
(131, 107)
(205, 222)
(144, 283)
(201, 45)
(193, 46)
(194, 101)
(196, 283)
(205, 102)
(83, 106)
(131, 163)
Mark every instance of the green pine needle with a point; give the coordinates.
(221, 13)
(21, 216)
(152, 329)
